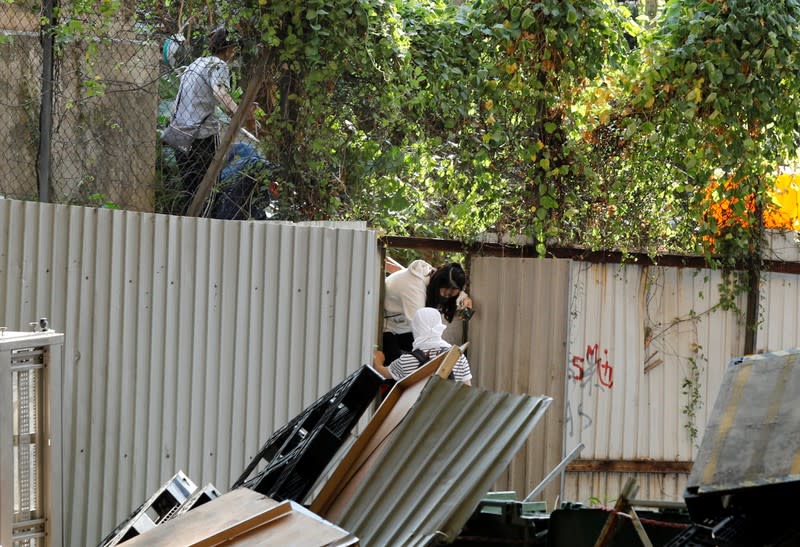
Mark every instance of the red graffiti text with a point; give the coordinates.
(593, 361)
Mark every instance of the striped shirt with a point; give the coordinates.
(407, 363)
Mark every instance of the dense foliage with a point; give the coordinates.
(566, 120)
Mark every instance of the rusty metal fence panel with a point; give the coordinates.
(647, 349)
(517, 344)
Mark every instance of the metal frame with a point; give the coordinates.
(50, 346)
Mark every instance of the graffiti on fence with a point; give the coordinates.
(593, 362)
(585, 372)
(584, 421)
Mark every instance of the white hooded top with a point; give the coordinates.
(427, 328)
(405, 294)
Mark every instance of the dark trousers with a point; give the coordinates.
(193, 165)
(396, 344)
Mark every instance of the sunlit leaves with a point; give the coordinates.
(560, 119)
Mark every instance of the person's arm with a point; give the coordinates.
(378, 360)
(225, 100)
(391, 265)
(223, 96)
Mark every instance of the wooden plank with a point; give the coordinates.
(224, 512)
(450, 359)
(299, 530)
(237, 121)
(245, 517)
(249, 524)
(355, 464)
(629, 466)
(610, 527)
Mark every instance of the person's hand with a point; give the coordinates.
(465, 310)
(378, 358)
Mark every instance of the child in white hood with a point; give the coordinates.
(427, 328)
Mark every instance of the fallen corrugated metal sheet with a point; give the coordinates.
(349, 473)
(647, 349)
(187, 341)
(518, 344)
(745, 481)
(244, 517)
(440, 461)
(752, 437)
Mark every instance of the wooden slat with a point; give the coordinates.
(629, 466)
(229, 532)
(371, 442)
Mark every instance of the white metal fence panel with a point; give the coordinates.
(782, 245)
(517, 344)
(187, 341)
(779, 313)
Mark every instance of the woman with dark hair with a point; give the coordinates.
(444, 288)
(415, 287)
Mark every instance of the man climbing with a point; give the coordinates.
(194, 130)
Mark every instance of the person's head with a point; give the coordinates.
(220, 45)
(427, 329)
(444, 287)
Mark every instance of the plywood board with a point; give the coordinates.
(368, 447)
(244, 517)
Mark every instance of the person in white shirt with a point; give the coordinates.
(418, 286)
(204, 84)
(427, 328)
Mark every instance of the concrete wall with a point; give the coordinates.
(104, 116)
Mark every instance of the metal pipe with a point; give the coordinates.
(658, 504)
(554, 472)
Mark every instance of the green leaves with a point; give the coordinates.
(563, 119)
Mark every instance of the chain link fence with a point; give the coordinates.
(84, 107)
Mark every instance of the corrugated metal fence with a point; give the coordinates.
(647, 347)
(633, 356)
(517, 344)
(188, 341)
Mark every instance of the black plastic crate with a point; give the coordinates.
(296, 454)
